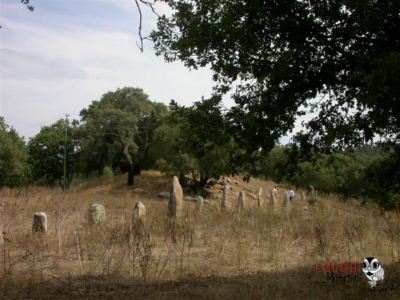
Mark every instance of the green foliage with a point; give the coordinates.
(371, 174)
(195, 140)
(118, 130)
(274, 165)
(383, 178)
(108, 172)
(338, 59)
(46, 154)
(14, 170)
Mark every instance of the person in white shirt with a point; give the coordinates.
(290, 193)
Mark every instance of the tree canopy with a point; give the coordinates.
(47, 154)
(14, 170)
(196, 140)
(338, 59)
(118, 129)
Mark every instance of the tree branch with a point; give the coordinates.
(139, 8)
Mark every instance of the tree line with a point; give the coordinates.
(336, 62)
(125, 132)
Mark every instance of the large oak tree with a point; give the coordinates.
(339, 59)
(119, 129)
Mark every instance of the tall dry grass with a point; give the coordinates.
(215, 254)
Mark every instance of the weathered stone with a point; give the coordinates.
(241, 200)
(164, 195)
(226, 197)
(303, 196)
(138, 190)
(199, 203)
(39, 224)
(272, 197)
(175, 202)
(313, 192)
(139, 212)
(260, 199)
(97, 214)
(285, 199)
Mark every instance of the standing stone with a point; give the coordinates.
(139, 212)
(199, 203)
(175, 202)
(241, 200)
(226, 197)
(97, 214)
(272, 199)
(303, 196)
(285, 199)
(260, 197)
(313, 192)
(39, 222)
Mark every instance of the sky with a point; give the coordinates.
(66, 53)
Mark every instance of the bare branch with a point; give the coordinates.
(140, 26)
(28, 5)
(138, 5)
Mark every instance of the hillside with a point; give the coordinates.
(263, 252)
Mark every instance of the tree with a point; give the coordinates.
(47, 153)
(338, 59)
(14, 170)
(382, 179)
(118, 130)
(196, 140)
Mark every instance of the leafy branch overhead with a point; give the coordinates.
(337, 59)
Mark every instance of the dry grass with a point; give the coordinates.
(261, 253)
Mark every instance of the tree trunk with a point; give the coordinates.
(131, 175)
(137, 169)
(203, 179)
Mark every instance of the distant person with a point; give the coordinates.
(290, 193)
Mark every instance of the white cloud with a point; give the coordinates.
(26, 65)
(48, 69)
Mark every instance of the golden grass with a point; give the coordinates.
(260, 254)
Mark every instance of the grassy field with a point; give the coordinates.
(262, 253)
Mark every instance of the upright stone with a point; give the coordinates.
(285, 199)
(272, 199)
(226, 197)
(139, 212)
(97, 214)
(39, 222)
(199, 203)
(241, 201)
(260, 197)
(313, 192)
(303, 196)
(175, 202)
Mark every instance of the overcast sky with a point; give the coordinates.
(58, 58)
